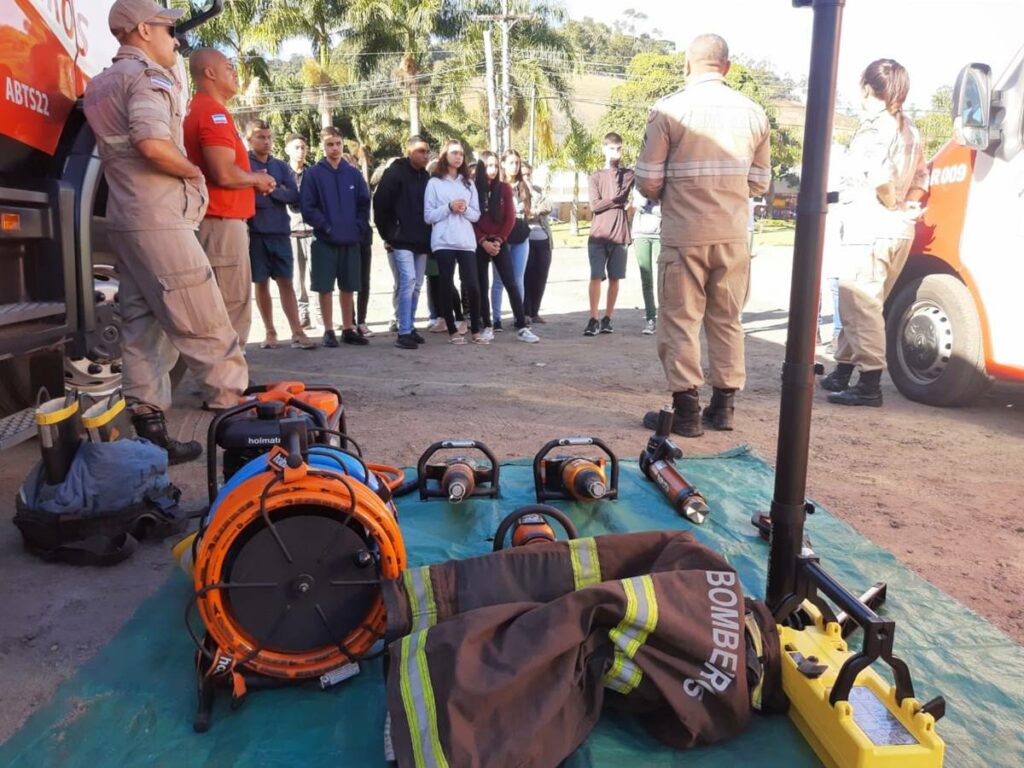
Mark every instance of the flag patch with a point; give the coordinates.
(220, 119)
(162, 82)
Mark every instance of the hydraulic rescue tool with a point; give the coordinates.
(657, 462)
(529, 525)
(287, 567)
(252, 427)
(458, 477)
(575, 478)
(848, 713)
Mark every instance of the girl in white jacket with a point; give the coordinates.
(450, 206)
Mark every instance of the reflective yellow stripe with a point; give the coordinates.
(639, 621)
(48, 417)
(98, 420)
(420, 590)
(755, 634)
(419, 704)
(586, 568)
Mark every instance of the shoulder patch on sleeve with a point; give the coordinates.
(161, 82)
(219, 118)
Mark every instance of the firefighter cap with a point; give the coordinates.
(126, 15)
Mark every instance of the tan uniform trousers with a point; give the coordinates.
(226, 242)
(702, 284)
(871, 271)
(170, 305)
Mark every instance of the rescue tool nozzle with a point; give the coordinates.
(584, 479)
(459, 480)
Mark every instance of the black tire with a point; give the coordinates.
(933, 342)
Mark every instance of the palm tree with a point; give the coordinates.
(320, 22)
(239, 30)
(404, 30)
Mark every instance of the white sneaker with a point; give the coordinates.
(649, 328)
(525, 334)
(439, 326)
(460, 327)
(488, 334)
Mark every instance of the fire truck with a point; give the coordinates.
(59, 324)
(952, 318)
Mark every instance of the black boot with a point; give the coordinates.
(150, 423)
(839, 379)
(718, 414)
(867, 391)
(686, 422)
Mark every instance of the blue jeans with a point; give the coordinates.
(837, 323)
(520, 255)
(410, 268)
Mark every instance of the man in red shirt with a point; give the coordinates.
(213, 143)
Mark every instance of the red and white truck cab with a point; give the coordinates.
(58, 287)
(954, 318)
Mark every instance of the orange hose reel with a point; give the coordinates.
(253, 533)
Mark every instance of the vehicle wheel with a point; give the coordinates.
(933, 342)
(99, 372)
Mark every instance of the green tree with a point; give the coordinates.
(936, 125)
(581, 153)
(651, 76)
(599, 43)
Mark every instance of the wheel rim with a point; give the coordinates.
(99, 372)
(925, 342)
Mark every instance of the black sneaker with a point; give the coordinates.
(351, 336)
(606, 325)
(592, 327)
(330, 339)
(497, 327)
(417, 338)
(858, 394)
(406, 341)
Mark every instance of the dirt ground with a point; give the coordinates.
(941, 489)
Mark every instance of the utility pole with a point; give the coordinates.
(506, 81)
(533, 119)
(492, 107)
(505, 21)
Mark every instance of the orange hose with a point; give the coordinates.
(392, 477)
(239, 509)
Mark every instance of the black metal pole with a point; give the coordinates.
(787, 510)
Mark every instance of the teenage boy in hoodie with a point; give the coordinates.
(398, 215)
(336, 204)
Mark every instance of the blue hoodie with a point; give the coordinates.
(336, 203)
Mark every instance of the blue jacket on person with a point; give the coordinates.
(272, 210)
(336, 203)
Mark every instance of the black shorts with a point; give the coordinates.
(334, 264)
(270, 256)
(607, 256)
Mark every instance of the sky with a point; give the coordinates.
(933, 39)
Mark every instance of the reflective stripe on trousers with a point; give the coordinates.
(586, 568)
(418, 702)
(422, 608)
(631, 633)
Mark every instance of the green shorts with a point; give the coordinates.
(334, 264)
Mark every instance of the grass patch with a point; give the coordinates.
(564, 239)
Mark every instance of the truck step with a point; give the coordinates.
(25, 311)
(17, 428)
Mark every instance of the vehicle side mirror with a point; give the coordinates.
(972, 107)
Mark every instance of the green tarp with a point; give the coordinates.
(132, 705)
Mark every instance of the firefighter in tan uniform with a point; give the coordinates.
(169, 302)
(884, 180)
(705, 154)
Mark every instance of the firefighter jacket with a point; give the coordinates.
(507, 659)
(705, 153)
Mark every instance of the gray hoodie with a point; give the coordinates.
(451, 231)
